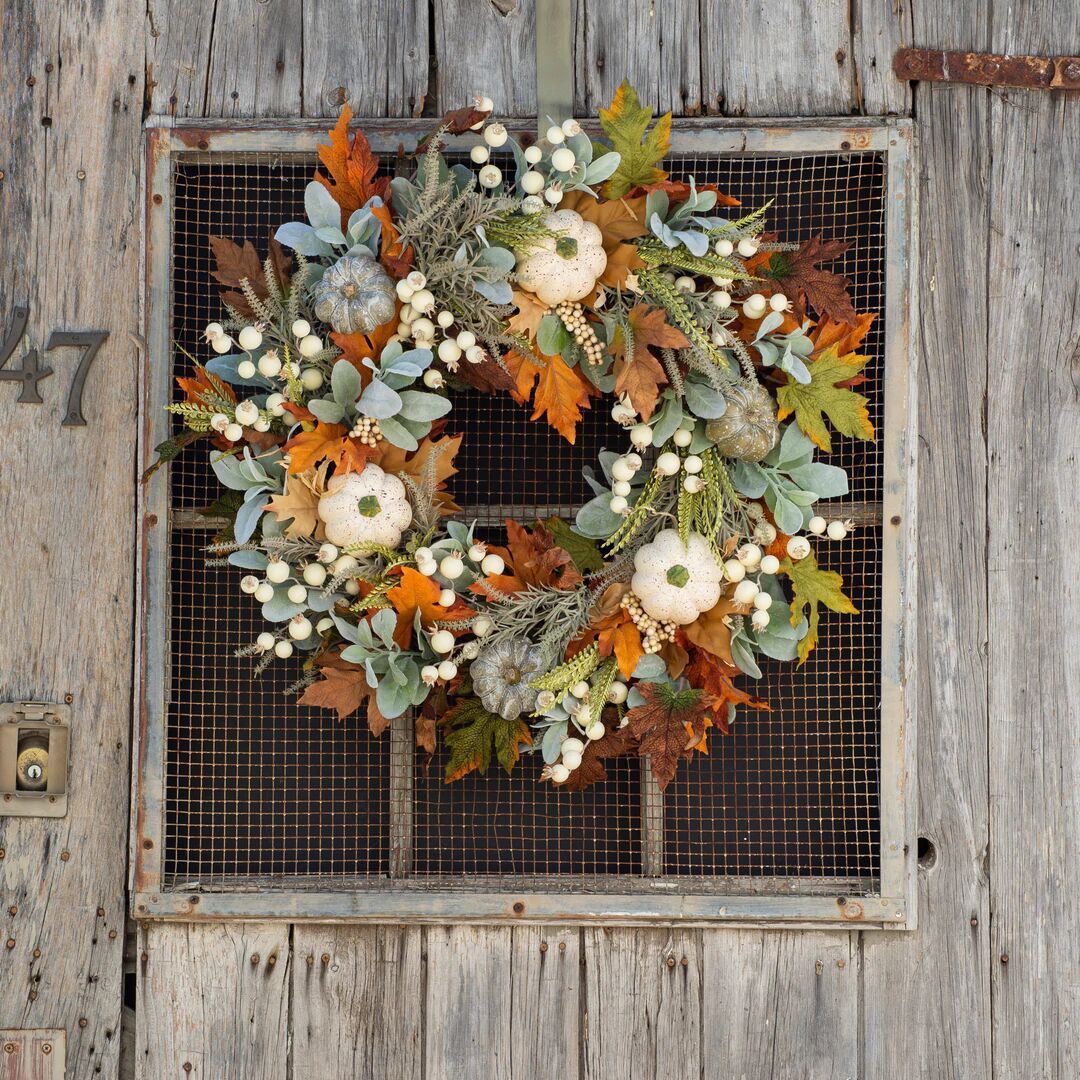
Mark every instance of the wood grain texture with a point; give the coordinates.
(71, 83)
(358, 1002)
(545, 985)
(775, 58)
(469, 1002)
(913, 981)
(213, 1002)
(254, 60)
(374, 53)
(657, 46)
(486, 47)
(643, 1004)
(878, 29)
(1033, 518)
(780, 1005)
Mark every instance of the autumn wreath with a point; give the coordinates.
(726, 355)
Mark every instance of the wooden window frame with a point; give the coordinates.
(652, 902)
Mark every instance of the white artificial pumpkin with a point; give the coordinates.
(557, 269)
(677, 582)
(368, 507)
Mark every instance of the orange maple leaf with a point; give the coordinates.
(561, 394)
(392, 459)
(326, 442)
(419, 593)
(713, 678)
(203, 383)
(353, 168)
(392, 253)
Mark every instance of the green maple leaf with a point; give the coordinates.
(582, 550)
(845, 409)
(813, 586)
(626, 124)
(474, 733)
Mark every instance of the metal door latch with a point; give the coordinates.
(35, 738)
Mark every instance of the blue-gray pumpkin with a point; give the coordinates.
(355, 295)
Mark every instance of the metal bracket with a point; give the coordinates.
(988, 69)
(35, 740)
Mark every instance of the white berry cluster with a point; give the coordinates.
(366, 430)
(834, 530)
(623, 470)
(424, 323)
(546, 186)
(750, 559)
(328, 566)
(572, 314)
(586, 718)
(655, 633)
(450, 567)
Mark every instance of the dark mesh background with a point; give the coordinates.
(257, 787)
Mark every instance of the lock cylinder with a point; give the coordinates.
(32, 764)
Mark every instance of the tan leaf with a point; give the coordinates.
(398, 461)
(529, 313)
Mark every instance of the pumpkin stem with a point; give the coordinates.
(678, 575)
(369, 506)
(566, 246)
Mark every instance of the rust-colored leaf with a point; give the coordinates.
(711, 632)
(353, 168)
(561, 394)
(799, 275)
(668, 727)
(326, 442)
(639, 374)
(616, 742)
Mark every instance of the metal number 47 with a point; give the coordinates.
(30, 373)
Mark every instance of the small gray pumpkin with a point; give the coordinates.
(354, 295)
(748, 429)
(501, 675)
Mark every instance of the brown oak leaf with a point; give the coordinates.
(617, 742)
(798, 274)
(638, 373)
(662, 724)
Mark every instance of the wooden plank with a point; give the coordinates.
(234, 58)
(358, 1002)
(213, 1002)
(373, 55)
(469, 1002)
(254, 63)
(545, 1022)
(764, 58)
(1033, 520)
(879, 28)
(33, 1054)
(486, 47)
(656, 46)
(70, 169)
(912, 983)
(643, 1007)
(779, 1006)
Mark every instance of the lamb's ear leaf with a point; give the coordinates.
(379, 401)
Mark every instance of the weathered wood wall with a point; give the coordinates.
(987, 986)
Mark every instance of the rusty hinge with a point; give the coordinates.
(989, 69)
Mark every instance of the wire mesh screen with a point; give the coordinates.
(258, 788)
